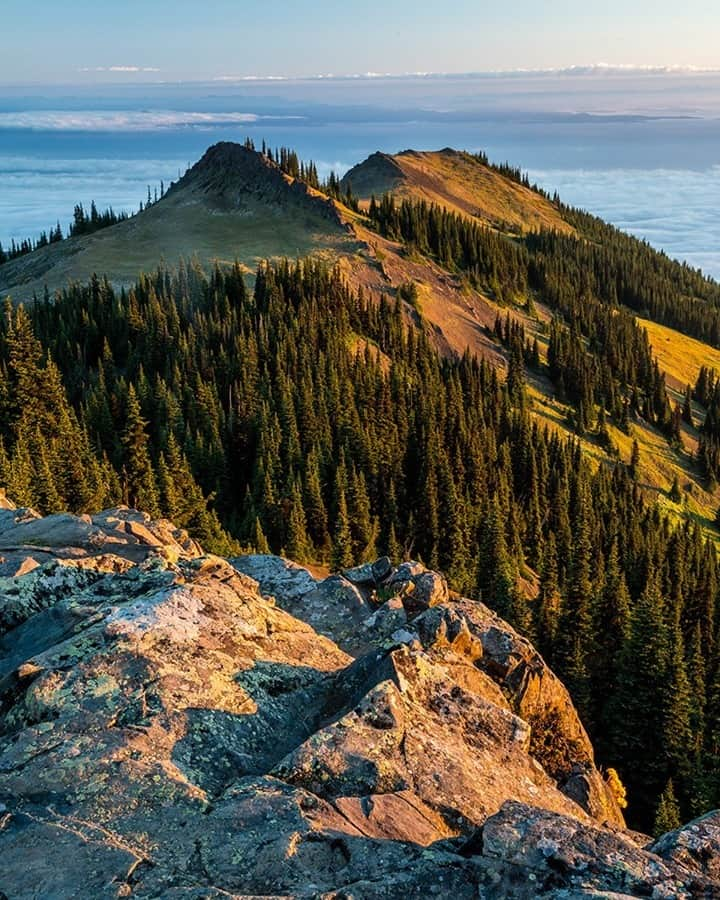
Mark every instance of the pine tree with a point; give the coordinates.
(46, 496)
(635, 717)
(667, 816)
(516, 375)
(697, 676)
(393, 547)
(21, 473)
(260, 544)
(169, 499)
(634, 464)
(576, 625)
(297, 543)
(612, 631)
(519, 613)
(139, 475)
(687, 406)
(549, 601)
(363, 526)
(495, 578)
(453, 543)
(674, 493)
(342, 551)
(677, 708)
(314, 505)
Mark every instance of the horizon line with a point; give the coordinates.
(578, 70)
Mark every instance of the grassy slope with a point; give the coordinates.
(680, 356)
(182, 224)
(460, 183)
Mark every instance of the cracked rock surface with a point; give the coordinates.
(174, 725)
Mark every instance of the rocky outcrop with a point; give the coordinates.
(173, 725)
(695, 846)
(379, 174)
(230, 174)
(524, 852)
(123, 533)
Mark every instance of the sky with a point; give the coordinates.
(93, 41)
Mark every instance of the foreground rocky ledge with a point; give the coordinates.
(173, 724)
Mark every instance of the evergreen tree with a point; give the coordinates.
(260, 543)
(667, 817)
(495, 578)
(634, 460)
(297, 543)
(675, 494)
(549, 600)
(363, 527)
(635, 716)
(139, 476)
(612, 631)
(342, 549)
(687, 407)
(677, 710)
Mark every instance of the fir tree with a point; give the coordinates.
(342, 550)
(667, 816)
(297, 543)
(260, 544)
(139, 476)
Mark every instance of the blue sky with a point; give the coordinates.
(87, 41)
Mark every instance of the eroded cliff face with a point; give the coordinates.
(174, 724)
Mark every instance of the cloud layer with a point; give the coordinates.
(100, 120)
(596, 69)
(673, 209)
(128, 69)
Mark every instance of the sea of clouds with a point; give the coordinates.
(37, 193)
(639, 148)
(675, 210)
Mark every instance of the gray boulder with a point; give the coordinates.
(278, 577)
(695, 846)
(541, 853)
(419, 588)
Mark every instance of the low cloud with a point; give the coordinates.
(595, 69)
(252, 78)
(129, 69)
(101, 120)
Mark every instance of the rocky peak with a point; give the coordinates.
(227, 162)
(380, 173)
(230, 176)
(173, 724)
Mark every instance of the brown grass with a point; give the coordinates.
(462, 184)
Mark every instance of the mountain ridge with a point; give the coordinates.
(458, 181)
(229, 173)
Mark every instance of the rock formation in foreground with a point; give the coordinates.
(177, 725)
